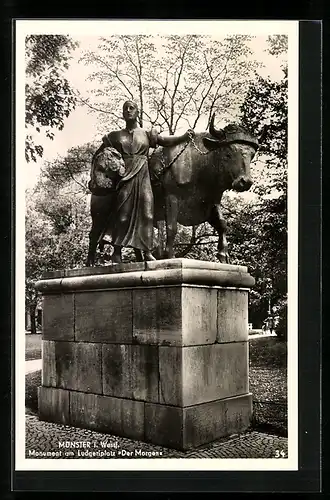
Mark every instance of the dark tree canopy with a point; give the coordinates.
(265, 241)
(267, 99)
(49, 99)
(277, 44)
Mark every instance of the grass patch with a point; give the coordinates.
(268, 384)
(32, 347)
(268, 352)
(270, 417)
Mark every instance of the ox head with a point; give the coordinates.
(240, 147)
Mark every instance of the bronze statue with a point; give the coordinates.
(188, 181)
(126, 213)
(190, 191)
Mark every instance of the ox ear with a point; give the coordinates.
(211, 143)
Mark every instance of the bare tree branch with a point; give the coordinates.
(114, 73)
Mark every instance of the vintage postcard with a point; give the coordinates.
(156, 245)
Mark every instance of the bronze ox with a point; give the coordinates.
(188, 183)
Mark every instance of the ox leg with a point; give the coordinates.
(116, 256)
(171, 218)
(216, 220)
(138, 255)
(94, 235)
(100, 209)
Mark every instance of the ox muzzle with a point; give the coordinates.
(242, 183)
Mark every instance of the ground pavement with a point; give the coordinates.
(43, 437)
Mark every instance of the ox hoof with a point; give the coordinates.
(116, 261)
(168, 254)
(223, 258)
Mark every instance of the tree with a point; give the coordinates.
(175, 79)
(257, 238)
(266, 239)
(277, 44)
(57, 220)
(40, 251)
(49, 99)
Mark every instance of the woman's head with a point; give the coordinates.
(130, 111)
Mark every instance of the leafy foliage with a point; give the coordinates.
(49, 99)
(176, 80)
(258, 238)
(266, 239)
(57, 219)
(72, 170)
(277, 44)
(267, 100)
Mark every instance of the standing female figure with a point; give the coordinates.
(131, 222)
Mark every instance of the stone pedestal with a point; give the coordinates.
(154, 351)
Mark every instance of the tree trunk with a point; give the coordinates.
(33, 318)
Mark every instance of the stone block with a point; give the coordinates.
(171, 375)
(122, 417)
(175, 315)
(104, 316)
(197, 374)
(171, 273)
(58, 317)
(157, 316)
(48, 373)
(53, 405)
(193, 426)
(238, 414)
(164, 425)
(232, 315)
(78, 366)
(112, 269)
(130, 371)
(192, 264)
(199, 315)
(210, 421)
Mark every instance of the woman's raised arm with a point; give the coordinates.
(173, 140)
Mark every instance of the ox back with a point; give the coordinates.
(197, 179)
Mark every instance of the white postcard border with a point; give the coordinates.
(77, 27)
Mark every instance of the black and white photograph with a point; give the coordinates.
(156, 245)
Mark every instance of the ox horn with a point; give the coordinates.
(219, 134)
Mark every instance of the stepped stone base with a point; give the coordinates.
(176, 427)
(154, 351)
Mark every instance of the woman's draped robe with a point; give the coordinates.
(131, 222)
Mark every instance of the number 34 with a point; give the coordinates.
(280, 454)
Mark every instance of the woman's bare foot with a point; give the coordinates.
(148, 256)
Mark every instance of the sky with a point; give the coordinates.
(81, 126)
